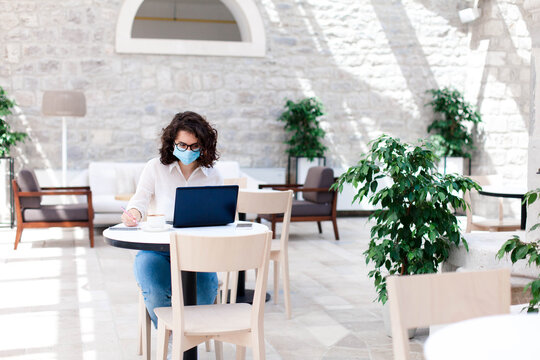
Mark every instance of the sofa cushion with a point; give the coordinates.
(107, 204)
(67, 212)
(102, 176)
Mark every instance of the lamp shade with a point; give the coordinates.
(63, 103)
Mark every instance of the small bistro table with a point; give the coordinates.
(136, 239)
(511, 336)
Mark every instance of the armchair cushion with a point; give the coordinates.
(318, 177)
(308, 208)
(27, 181)
(50, 213)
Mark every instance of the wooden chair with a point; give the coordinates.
(319, 203)
(432, 299)
(31, 214)
(241, 182)
(271, 202)
(145, 327)
(499, 224)
(240, 324)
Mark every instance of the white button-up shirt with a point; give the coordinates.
(158, 182)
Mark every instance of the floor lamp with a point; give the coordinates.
(64, 103)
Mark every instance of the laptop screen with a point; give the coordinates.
(205, 205)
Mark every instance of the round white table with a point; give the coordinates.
(138, 239)
(500, 337)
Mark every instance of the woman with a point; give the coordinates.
(187, 154)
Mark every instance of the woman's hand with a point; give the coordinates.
(132, 220)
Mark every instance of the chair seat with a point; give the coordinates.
(308, 208)
(495, 224)
(276, 245)
(210, 319)
(305, 208)
(51, 213)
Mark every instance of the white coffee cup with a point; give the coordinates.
(156, 221)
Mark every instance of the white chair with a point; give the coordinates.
(144, 333)
(499, 224)
(271, 202)
(240, 324)
(433, 299)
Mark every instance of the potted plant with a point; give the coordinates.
(8, 138)
(415, 225)
(305, 143)
(453, 127)
(529, 251)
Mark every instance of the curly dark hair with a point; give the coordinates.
(197, 125)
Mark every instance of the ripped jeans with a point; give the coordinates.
(153, 274)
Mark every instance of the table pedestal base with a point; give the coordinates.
(248, 297)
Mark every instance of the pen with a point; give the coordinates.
(128, 214)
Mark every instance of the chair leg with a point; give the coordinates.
(286, 286)
(336, 233)
(219, 349)
(276, 280)
(273, 229)
(257, 341)
(145, 326)
(163, 341)
(240, 352)
(319, 226)
(91, 234)
(18, 236)
(234, 287)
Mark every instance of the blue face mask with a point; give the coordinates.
(186, 157)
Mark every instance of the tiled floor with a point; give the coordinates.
(60, 299)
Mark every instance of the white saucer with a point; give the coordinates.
(145, 227)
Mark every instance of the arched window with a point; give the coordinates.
(191, 27)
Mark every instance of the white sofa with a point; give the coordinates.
(108, 179)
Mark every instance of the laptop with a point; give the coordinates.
(205, 205)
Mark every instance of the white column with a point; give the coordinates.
(533, 179)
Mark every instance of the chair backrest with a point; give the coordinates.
(27, 181)
(319, 177)
(486, 179)
(268, 202)
(431, 299)
(482, 180)
(219, 253)
(241, 182)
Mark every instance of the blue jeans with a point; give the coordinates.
(153, 274)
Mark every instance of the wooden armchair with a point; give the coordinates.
(31, 213)
(318, 204)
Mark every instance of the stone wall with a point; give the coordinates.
(370, 63)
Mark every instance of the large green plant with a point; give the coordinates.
(529, 251)
(452, 115)
(8, 138)
(301, 122)
(416, 225)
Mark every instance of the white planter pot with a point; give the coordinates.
(454, 165)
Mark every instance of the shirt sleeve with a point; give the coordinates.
(145, 190)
